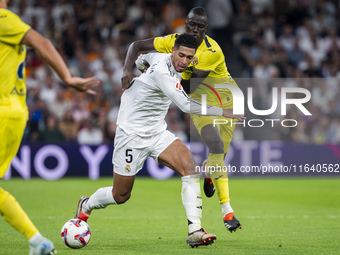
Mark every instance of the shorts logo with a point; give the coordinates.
(195, 61)
(128, 169)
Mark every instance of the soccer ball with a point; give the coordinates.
(76, 233)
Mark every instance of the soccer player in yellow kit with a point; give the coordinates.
(208, 63)
(14, 35)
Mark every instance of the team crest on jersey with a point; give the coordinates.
(195, 61)
(164, 36)
(128, 169)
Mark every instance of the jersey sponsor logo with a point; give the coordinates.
(16, 92)
(178, 86)
(164, 36)
(195, 61)
(213, 51)
(128, 169)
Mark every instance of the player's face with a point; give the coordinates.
(182, 57)
(196, 25)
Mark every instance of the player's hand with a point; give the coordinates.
(126, 79)
(228, 113)
(83, 85)
(142, 64)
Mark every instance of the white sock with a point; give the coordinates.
(226, 208)
(100, 199)
(192, 201)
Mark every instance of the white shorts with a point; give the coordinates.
(131, 151)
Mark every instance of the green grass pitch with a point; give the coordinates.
(279, 216)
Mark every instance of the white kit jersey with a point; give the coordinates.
(145, 103)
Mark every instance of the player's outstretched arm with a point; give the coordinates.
(47, 51)
(131, 56)
(190, 88)
(228, 113)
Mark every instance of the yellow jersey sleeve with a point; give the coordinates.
(209, 60)
(164, 44)
(12, 29)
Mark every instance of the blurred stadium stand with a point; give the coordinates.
(294, 40)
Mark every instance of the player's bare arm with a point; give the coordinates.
(47, 51)
(131, 56)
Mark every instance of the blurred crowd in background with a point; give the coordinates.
(262, 40)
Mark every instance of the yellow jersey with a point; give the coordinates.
(12, 66)
(208, 57)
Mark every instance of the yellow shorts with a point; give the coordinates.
(11, 132)
(226, 130)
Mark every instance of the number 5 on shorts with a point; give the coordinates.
(128, 156)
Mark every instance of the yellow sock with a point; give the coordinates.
(219, 176)
(15, 215)
(222, 189)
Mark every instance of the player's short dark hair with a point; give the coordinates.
(186, 40)
(200, 11)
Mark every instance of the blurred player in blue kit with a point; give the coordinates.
(14, 35)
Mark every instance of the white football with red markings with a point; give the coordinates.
(76, 233)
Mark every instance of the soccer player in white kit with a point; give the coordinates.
(141, 133)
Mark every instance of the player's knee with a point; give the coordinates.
(122, 198)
